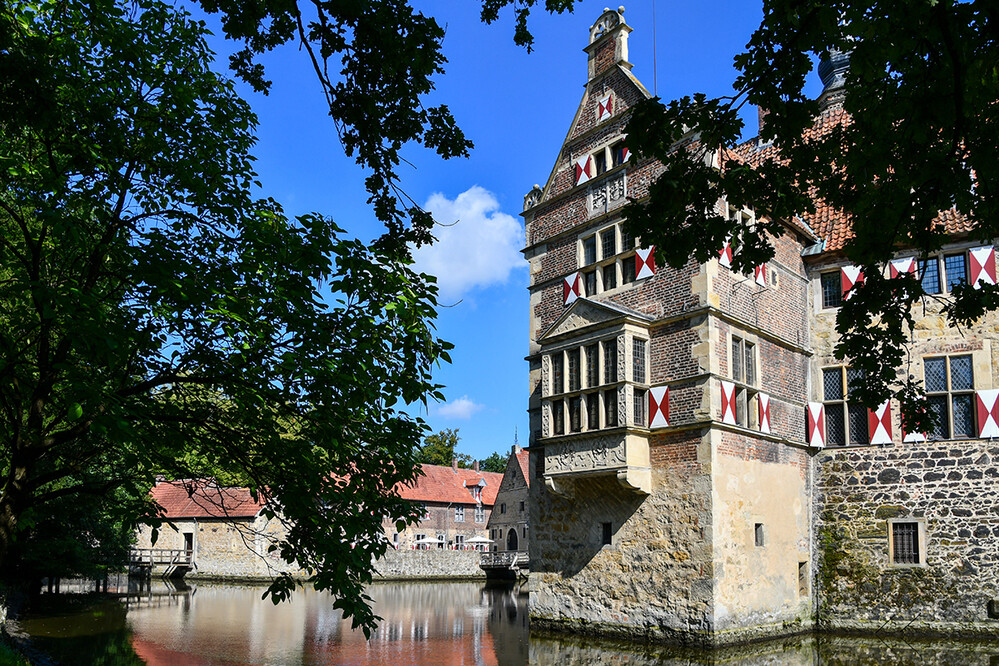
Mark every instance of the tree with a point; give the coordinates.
(156, 318)
(439, 449)
(494, 463)
(916, 144)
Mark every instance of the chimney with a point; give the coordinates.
(608, 45)
(454, 465)
(475, 466)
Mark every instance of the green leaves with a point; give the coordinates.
(156, 318)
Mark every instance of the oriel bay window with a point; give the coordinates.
(950, 384)
(585, 397)
(846, 420)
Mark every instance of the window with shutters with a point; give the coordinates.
(950, 387)
(607, 259)
(742, 366)
(846, 419)
(640, 407)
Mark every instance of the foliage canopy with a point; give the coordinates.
(155, 317)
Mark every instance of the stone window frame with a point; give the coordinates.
(622, 263)
(846, 404)
(920, 543)
(480, 514)
(459, 514)
(950, 392)
(746, 392)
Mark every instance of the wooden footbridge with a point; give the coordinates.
(176, 561)
(504, 563)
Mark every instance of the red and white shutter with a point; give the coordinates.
(659, 407)
(570, 288)
(605, 107)
(816, 424)
(645, 263)
(879, 424)
(760, 275)
(982, 262)
(728, 402)
(584, 169)
(850, 276)
(763, 400)
(988, 413)
(725, 255)
(902, 267)
(625, 154)
(912, 436)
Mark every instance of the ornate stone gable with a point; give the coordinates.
(581, 315)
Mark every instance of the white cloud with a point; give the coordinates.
(477, 244)
(462, 408)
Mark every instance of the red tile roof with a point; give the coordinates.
(523, 459)
(443, 484)
(202, 498)
(831, 225)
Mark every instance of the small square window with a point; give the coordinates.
(906, 543)
(640, 402)
(502, 507)
(558, 417)
(575, 414)
(592, 411)
(600, 160)
(759, 535)
(832, 290)
(590, 283)
(610, 408)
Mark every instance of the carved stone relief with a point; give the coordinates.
(585, 455)
(546, 419)
(608, 194)
(622, 405)
(582, 315)
(622, 358)
(546, 373)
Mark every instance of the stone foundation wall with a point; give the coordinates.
(950, 487)
(653, 580)
(428, 564)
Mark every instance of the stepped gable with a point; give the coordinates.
(831, 225)
(203, 498)
(444, 484)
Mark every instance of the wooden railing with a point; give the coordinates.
(503, 559)
(164, 556)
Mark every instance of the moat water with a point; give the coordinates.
(449, 624)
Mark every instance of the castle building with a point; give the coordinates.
(700, 471)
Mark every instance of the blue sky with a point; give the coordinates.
(516, 107)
